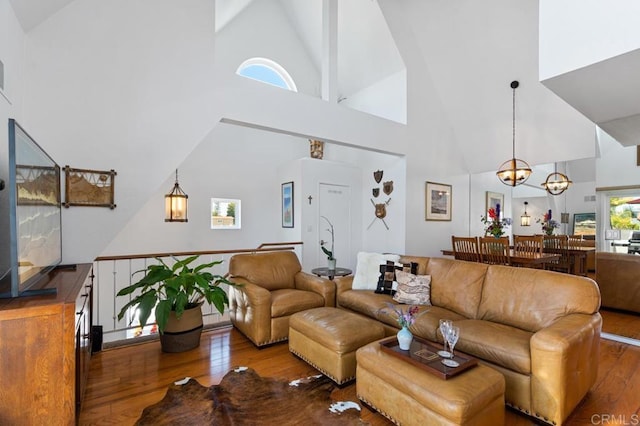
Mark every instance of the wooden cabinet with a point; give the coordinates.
(45, 346)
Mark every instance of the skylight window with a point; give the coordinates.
(267, 71)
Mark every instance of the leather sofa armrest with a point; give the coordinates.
(322, 286)
(564, 364)
(250, 310)
(342, 284)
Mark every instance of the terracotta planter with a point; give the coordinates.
(182, 334)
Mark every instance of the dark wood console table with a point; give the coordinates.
(45, 346)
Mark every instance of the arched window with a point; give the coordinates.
(267, 71)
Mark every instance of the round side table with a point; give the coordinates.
(330, 273)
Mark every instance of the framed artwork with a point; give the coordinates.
(287, 205)
(584, 224)
(92, 188)
(437, 201)
(226, 213)
(493, 199)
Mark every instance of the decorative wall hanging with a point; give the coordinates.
(92, 188)
(287, 205)
(437, 201)
(316, 148)
(387, 187)
(381, 208)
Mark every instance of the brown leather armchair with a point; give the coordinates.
(273, 287)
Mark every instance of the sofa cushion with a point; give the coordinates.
(421, 261)
(271, 270)
(532, 299)
(456, 285)
(413, 289)
(497, 343)
(368, 303)
(368, 269)
(289, 301)
(427, 323)
(387, 281)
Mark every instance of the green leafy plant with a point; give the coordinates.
(174, 288)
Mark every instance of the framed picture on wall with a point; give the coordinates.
(493, 199)
(584, 224)
(287, 205)
(437, 201)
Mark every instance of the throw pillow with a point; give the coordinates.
(367, 269)
(387, 282)
(413, 289)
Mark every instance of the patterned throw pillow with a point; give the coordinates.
(413, 289)
(387, 280)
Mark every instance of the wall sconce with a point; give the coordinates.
(175, 204)
(525, 219)
(514, 171)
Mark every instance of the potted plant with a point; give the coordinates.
(331, 260)
(177, 293)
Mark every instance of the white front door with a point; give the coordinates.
(335, 205)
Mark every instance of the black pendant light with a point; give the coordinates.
(525, 219)
(514, 171)
(175, 204)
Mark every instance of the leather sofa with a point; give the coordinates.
(540, 329)
(272, 287)
(617, 276)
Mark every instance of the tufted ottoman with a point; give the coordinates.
(327, 338)
(409, 395)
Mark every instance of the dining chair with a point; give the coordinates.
(575, 241)
(465, 248)
(495, 251)
(558, 244)
(528, 245)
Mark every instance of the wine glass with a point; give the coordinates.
(444, 326)
(453, 333)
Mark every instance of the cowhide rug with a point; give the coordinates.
(245, 398)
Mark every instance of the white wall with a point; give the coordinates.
(616, 165)
(387, 98)
(577, 33)
(11, 48)
(141, 102)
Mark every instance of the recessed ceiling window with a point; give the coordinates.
(267, 71)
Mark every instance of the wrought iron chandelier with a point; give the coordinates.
(556, 182)
(514, 171)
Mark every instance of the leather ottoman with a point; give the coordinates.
(327, 338)
(408, 395)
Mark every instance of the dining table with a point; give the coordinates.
(520, 258)
(578, 258)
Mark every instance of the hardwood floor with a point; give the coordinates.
(122, 381)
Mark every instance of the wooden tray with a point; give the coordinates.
(423, 354)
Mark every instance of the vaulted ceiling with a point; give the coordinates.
(471, 51)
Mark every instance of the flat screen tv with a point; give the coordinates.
(31, 227)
